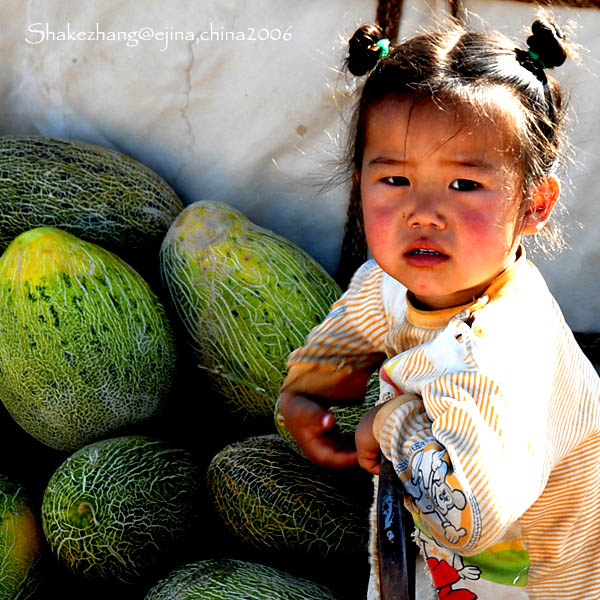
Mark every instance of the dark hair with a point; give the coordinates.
(457, 66)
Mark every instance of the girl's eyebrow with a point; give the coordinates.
(386, 160)
(466, 161)
(473, 162)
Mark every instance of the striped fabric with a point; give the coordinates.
(499, 452)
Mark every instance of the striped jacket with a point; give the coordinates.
(492, 424)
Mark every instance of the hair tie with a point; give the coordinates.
(546, 49)
(535, 57)
(546, 45)
(384, 47)
(365, 48)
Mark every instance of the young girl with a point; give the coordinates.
(489, 410)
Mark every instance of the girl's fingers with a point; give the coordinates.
(310, 424)
(367, 445)
(369, 463)
(324, 449)
(327, 454)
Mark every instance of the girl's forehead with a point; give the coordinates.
(408, 120)
(414, 111)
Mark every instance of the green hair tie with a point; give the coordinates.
(384, 47)
(536, 58)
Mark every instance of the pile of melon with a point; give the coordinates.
(142, 347)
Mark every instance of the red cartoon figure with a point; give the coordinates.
(446, 575)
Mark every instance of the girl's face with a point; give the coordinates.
(441, 200)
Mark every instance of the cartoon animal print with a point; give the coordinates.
(433, 495)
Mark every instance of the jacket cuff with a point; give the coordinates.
(387, 409)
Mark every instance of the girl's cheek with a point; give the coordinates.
(477, 222)
(486, 233)
(379, 221)
(379, 205)
(480, 222)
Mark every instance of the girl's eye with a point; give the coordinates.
(396, 181)
(464, 185)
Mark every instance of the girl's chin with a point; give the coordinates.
(427, 301)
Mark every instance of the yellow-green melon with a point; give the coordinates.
(246, 298)
(86, 347)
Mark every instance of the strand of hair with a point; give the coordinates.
(389, 15)
(455, 8)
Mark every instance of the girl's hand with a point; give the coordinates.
(367, 446)
(311, 425)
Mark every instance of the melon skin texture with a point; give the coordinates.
(115, 508)
(86, 348)
(228, 579)
(272, 498)
(246, 298)
(94, 193)
(20, 542)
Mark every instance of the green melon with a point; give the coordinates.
(272, 498)
(94, 193)
(85, 345)
(20, 542)
(230, 579)
(246, 297)
(116, 508)
(346, 417)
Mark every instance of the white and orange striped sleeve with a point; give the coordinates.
(468, 440)
(342, 352)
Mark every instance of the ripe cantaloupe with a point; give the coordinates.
(117, 508)
(270, 497)
(97, 194)
(246, 297)
(230, 579)
(20, 542)
(86, 347)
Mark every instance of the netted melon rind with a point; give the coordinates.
(228, 579)
(274, 499)
(246, 298)
(116, 507)
(95, 193)
(86, 347)
(20, 542)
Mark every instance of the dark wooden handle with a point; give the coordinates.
(397, 555)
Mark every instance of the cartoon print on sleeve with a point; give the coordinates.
(446, 571)
(442, 508)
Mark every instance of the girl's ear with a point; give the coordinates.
(541, 203)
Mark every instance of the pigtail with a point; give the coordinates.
(364, 49)
(547, 49)
(547, 42)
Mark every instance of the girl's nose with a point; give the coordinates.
(425, 213)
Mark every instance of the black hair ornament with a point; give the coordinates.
(365, 48)
(546, 49)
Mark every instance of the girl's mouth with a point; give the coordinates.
(423, 251)
(425, 257)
